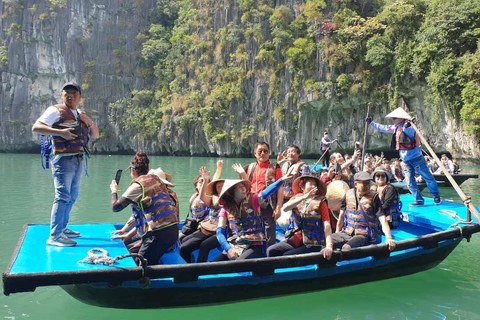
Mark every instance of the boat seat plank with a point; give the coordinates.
(35, 256)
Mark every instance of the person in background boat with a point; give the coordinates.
(406, 141)
(199, 203)
(397, 170)
(341, 169)
(325, 146)
(205, 238)
(387, 167)
(128, 233)
(155, 209)
(456, 166)
(294, 166)
(310, 228)
(261, 174)
(359, 217)
(388, 196)
(240, 229)
(447, 163)
(70, 129)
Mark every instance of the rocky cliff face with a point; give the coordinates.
(93, 43)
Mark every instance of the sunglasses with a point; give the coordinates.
(263, 151)
(380, 176)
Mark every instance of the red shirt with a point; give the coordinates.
(258, 176)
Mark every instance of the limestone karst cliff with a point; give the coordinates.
(270, 93)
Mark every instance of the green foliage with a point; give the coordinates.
(279, 113)
(3, 57)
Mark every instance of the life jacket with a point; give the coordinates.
(287, 186)
(157, 209)
(244, 222)
(177, 203)
(59, 145)
(358, 222)
(270, 177)
(307, 218)
(392, 214)
(197, 208)
(212, 219)
(401, 141)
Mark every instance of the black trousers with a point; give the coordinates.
(270, 224)
(156, 243)
(285, 249)
(198, 240)
(251, 253)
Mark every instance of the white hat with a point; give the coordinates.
(230, 183)
(164, 177)
(399, 113)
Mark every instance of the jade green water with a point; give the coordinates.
(449, 291)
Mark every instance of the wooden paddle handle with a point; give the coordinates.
(466, 200)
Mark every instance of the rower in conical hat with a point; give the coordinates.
(407, 142)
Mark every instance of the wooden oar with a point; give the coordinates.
(466, 200)
(369, 105)
(321, 157)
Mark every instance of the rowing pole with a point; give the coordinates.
(369, 105)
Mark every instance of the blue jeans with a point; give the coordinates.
(66, 172)
(419, 165)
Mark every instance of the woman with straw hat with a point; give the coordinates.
(205, 238)
(245, 235)
(310, 228)
(406, 141)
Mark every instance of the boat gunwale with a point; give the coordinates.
(13, 283)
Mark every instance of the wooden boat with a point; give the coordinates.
(426, 236)
(459, 178)
(402, 187)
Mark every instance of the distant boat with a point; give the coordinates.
(459, 178)
(402, 186)
(426, 236)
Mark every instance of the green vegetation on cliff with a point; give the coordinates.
(200, 55)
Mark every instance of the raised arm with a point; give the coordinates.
(292, 203)
(219, 170)
(237, 167)
(206, 180)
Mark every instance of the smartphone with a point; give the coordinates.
(381, 154)
(118, 175)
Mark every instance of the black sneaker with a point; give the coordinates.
(416, 204)
(437, 200)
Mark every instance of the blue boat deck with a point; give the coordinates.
(34, 256)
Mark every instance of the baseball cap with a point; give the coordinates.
(73, 85)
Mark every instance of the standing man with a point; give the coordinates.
(325, 149)
(261, 174)
(70, 130)
(406, 141)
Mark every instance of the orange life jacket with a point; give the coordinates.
(358, 222)
(68, 120)
(307, 217)
(287, 186)
(157, 209)
(244, 222)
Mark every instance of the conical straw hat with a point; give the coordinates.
(211, 188)
(322, 188)
(230, 183)
(399, 113)
(164, 177)
(336, 192)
